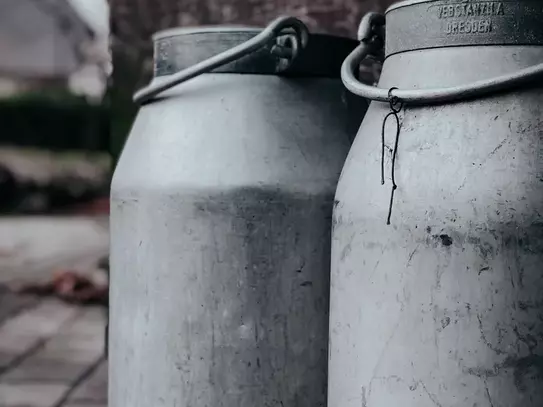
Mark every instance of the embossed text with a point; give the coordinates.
(479, 9)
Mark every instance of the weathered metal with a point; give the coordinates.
(443, 306)
(221, 208)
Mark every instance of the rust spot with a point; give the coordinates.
(445, 322)
(483, 269)
(446, 240)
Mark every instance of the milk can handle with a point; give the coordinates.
(272, 32)
(371, 42)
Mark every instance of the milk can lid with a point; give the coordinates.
(180, 48)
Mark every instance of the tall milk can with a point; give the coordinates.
(437, 245)
(221, 207)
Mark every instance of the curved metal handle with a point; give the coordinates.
(271, 32)
(371, 43)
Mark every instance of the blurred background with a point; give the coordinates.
(55, 168)
(68, 70)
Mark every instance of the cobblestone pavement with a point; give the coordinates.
(51, 354)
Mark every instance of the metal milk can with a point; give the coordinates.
(437, 246)
(221, 207)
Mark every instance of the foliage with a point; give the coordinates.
(54, 120)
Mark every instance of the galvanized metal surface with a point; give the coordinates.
(182, 49)
(285, 36)
(444, 306)
(435, 24)
(220, 243)
(281, 48)
(370, 36)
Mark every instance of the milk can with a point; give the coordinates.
(437, 245)
(221, 207)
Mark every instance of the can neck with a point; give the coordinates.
(322, 57)
(416, 25)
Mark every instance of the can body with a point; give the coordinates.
(220, 243)
(443, 307)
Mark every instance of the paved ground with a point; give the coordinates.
(51, 353)
(32, 246)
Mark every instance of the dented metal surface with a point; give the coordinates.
(444, 307)
(220, 243)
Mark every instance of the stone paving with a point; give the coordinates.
(51, 353)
